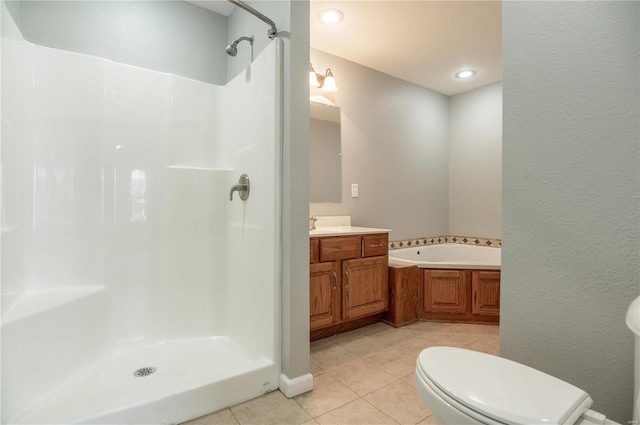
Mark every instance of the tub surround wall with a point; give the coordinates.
(169, 36)
(434, 240)
(337, 221)
(292, 19)
(571, 193)
(241, 23)
(96, 156)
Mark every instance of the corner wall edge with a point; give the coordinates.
(296, 386)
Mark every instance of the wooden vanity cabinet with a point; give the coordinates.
(348, 281)
(314, 251)
(461, 295)
(324, 294)
(365, 286)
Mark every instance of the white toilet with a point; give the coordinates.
(467, 387)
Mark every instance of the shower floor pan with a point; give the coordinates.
(191, 378)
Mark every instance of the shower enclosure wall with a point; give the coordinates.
(121, 251)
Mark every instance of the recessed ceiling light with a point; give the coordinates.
(465, 73)
(330, 16)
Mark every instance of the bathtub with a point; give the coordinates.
(449, 256)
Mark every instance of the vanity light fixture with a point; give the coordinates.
(330, 16)
(466, 73)
(313, 77)
(329, 82)
(326, 82)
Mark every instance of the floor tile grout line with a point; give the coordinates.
(353, 401)
(475, 338)
(378, 409)
(234, 416)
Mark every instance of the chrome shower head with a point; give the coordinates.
(232, 49)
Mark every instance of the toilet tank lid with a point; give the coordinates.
(501, 389)
(633, 316)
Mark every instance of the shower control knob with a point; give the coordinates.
(242, 187)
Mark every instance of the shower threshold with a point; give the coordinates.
(191, 378)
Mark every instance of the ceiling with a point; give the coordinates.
(423, 42)
(222, 7)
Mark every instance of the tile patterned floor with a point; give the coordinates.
(362, 377)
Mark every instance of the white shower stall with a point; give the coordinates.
(133, 289)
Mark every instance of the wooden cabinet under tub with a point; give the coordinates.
(445, 291)
(460, 295)
(404, 295)
(348, 282)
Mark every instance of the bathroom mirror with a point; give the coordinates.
(325, 183)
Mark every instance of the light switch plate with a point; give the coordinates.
(354, 190)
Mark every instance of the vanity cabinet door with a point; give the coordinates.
(365, 287)
(445, 291)
(324, 294)
(314, 250)
(485, 290)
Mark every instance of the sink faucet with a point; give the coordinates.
(312, 223)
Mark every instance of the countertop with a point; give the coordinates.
(344, 231)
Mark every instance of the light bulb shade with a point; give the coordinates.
(313, 78)
(329, 84)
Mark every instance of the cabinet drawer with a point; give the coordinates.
(314, 250)
(373, 245)
(340, 248)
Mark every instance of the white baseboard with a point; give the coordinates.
(296, 386)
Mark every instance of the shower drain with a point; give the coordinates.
(144, 371)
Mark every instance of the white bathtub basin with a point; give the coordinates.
(449, 256)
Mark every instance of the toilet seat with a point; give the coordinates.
(491, 389)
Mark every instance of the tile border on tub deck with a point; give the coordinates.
(434, 240)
